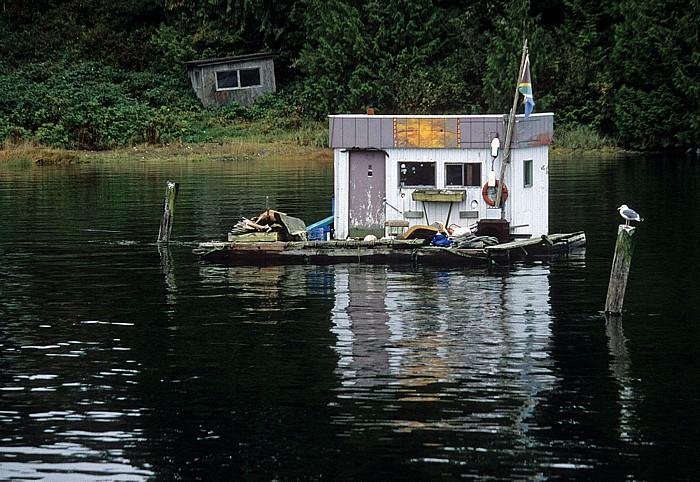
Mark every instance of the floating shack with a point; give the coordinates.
(397, 171)
(422, 190)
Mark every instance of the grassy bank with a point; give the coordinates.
(250, 140)
(243, 140)
(583, 141)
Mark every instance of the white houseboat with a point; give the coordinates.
(402, 182)
(397, 171)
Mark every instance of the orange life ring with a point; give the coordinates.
(492, 202)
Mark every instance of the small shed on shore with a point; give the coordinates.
(225, 80)
(394, 170)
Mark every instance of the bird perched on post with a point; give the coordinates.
(629, 214)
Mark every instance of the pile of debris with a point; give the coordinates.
(269, 226)
(459, 237)
(472, 241)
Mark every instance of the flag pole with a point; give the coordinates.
(509, 131)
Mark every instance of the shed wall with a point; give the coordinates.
(203, 79)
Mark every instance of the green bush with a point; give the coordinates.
(93, 106)
(278, 110)
(9, 132)
(580, 137)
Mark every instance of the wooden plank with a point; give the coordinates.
(577, 237)
(439, 195)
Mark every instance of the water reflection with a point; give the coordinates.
(167, 266)
(442, 353)
(620, 368)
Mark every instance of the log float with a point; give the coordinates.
(385, 251)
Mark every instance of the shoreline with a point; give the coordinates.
(229, 150)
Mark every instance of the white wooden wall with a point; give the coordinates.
(527, 209)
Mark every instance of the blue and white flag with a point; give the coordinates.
(525, 87)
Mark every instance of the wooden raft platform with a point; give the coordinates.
(385, 251)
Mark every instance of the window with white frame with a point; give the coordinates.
(463, 174)
(416, 173)
(237, 78)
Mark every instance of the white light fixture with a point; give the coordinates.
(495, 146)
(492, 178)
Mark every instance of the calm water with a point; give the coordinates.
(123, 361)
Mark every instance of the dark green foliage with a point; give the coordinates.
(511, 25)
(393, 55)
(116, 32)
(217, 28)
(657, 75)
(103, 73)
(91, 106)
(575, 80)
(278, 110)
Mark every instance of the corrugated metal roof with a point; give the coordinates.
(228, 60)
(364, 131)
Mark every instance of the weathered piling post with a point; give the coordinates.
(624, 246)
(166, 222)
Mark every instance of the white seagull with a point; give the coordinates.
(629, 214)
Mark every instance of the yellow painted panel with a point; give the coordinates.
(425, 133)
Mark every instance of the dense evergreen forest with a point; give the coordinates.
(104, 73)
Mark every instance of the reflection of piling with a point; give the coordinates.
(166, 222)
(624, 246)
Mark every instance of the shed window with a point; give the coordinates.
(413, 173)
(235, 79)
(249, 77)
(226, 79)
(527, 173)
(466, 174)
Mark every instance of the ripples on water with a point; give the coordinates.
(123, 360)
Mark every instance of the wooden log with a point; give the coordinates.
(624, 246)
(166, 222)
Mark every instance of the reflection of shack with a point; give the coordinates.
(361, 325)
(226, 80)
(473, 339)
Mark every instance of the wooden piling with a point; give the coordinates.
(166, 222)
(624, 246)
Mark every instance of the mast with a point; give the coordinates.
(509, 131)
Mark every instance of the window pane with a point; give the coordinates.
(227, 79)
(250, 77)
(454, 175)
(417, 173)
(473, 177)
(468, 174)
(527, 173)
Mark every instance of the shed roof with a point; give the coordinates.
(227, 60)
(364, 131)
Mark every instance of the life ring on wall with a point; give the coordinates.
(485, 193)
